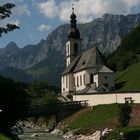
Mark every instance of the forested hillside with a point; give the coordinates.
(126, 62)
(127, 53)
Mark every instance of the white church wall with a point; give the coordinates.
(71, 82)
(64, 84)
(67, 83)
(97, 99)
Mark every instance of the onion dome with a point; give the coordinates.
(73, 32)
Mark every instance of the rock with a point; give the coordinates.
(46, 130)
(57, 132)
(34, 135)
(105, 132)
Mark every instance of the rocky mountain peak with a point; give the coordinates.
(106, 33)
(12, 46)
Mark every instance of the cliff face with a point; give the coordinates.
(105, 33)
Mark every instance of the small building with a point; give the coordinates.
(86, 71)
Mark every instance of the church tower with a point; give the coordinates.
(74, 44)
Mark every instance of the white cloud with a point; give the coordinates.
(87, 10)
(49, 8)
(44, 27)
(22, 9)
(16, 22)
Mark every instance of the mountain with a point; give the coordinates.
(128, 51)
(37, 60)
(126, 61)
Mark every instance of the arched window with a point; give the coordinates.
(75, 48)
(77, 81)
(84, 79)
(91, 78)
(80, 80)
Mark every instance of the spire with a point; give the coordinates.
(73, 18)
(72, 8)
(73, 32)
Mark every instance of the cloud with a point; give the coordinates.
(49, 8)
(87, 10)
(21, 10)
(44, 27)
(16, 22)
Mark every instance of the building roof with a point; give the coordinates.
(104, 69)
(72, 65)
(91, 58)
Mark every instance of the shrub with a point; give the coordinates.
(124, 114)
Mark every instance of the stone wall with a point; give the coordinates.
(108, 98)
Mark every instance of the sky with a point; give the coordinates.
(38, 18)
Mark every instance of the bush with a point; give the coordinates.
(2, 137)
(124, 114)
(50, 99)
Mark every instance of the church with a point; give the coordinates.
(86, 71)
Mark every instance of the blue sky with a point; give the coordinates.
(37, 18)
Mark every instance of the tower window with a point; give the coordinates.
(105, 77)
(83, 63)
(75, 48)
(91, 78)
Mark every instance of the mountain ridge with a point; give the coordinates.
(105, 33)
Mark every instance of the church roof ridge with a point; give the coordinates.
(90, 58)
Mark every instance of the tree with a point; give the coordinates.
(124, 115)
(39, 91)
(5, 12)
(14, 103)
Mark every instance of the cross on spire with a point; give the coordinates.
(72, 8)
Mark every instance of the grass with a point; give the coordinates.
(2, 137)
(129, 78)
(100, 117)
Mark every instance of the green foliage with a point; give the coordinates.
(128, 51)
(41, 93)
(51, 99)
(130, 133)
(2, 137)
(40, 88)
(124, 114)
(5, 11)
(13, 101)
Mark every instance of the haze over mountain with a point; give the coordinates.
(45, 60)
